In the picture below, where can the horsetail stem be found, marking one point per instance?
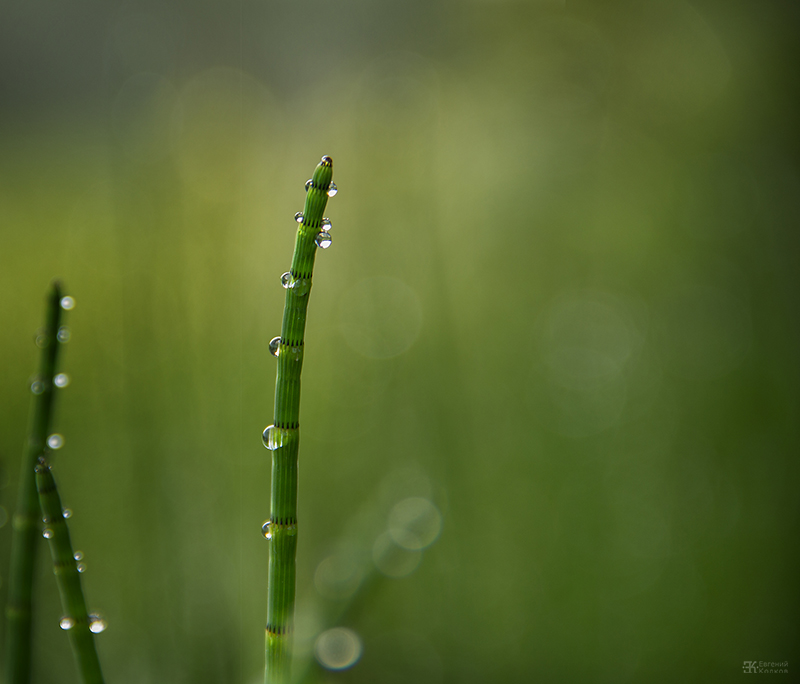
(26, 528)
(79, 624)
(283, 437)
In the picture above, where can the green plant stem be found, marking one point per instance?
(27, 518)
(283, 437)
(67, 576)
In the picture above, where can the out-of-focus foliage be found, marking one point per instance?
(560, 306)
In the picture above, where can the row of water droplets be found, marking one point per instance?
(60, 380)
(96, 623)
(274, 437)
(55, 441)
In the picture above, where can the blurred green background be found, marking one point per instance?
(560, 305)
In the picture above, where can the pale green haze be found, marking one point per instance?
(551, 372)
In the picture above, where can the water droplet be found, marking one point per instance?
(325, 223)
(42, 340)
(66, 622)
(324, 240)
(299, 217)
(96, 623)
(301, 286)
(265, 530)
(275, 346)
(64, 334)
(47, 533)
(81, 567)
(37, 387)
(286, 280)
(275, 437)
(67, 512)
(332, 189)
(67, 303)
(309, 183)
(61, 380)
(78, 555)
(55, 441)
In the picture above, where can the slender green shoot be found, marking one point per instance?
(27, 518)
(77, 622)
(282, 438)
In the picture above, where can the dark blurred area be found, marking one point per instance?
(550, 395)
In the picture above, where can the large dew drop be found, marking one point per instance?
(265, 530)
(47, 533)
(324, 240)
(78, 555)
(55, 441)
(81, 567)
(299, 217)
(67, 303)
(326, 224)
(275, 437)
(96, 623)
(61, 380)
(286, 280)
(67, 512)
(332, 189)
(66, 623)
(275, 346)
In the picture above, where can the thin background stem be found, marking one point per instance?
(27, 519)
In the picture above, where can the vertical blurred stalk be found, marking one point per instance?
(27, 518)
(282, 438)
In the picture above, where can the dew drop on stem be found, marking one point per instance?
(61, 380)
(67, 513)
(299, 217)
(67, 303)
(66, 623)
(265, 529)
(81, 567)
(78, 555)
(324, 240)
(96, 623)
(275, 346)
(37, 387)
(332, 189)
(64, 334)
(47, 533)
(325, 224)
(309, 183)
(55, 441)
(274, 437)
(286, 280)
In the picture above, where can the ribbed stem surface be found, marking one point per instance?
(27, 518)
(283, 517)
